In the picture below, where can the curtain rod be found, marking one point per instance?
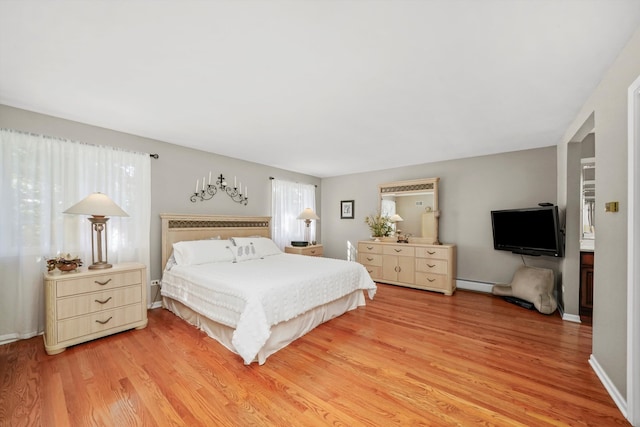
(154, 155)
(272, 178)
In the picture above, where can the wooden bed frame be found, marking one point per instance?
(179, 228)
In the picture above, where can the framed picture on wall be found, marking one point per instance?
(346, 209)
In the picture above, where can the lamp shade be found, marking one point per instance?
(96, 204)
(396, 218)
(308, 214)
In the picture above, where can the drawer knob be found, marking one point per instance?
(397, 269)
(105, 322)
(369, 259)
(431, 265)
(431, 280)
(431, 253)
(397, 250)
(103, 302)
(102, 283)
(369, 247)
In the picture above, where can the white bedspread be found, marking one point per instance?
(254, 295)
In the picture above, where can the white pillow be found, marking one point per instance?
(264, 245)
(244, 252)
(202, 251)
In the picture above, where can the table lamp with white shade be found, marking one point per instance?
(395, 218)
(308, 215)
(99, 206)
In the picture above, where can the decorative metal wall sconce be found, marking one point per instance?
(207, 191)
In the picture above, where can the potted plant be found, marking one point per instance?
(380, 225)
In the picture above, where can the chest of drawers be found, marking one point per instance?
(90, 304)
(429, 267)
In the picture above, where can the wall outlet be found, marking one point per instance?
(155, 283)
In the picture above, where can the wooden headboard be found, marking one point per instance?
(178, 228)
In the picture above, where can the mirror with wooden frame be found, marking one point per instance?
(416, 204)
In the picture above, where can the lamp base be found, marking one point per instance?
(99, 265)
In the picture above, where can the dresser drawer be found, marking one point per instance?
(398, 250)
(374, 271)
(369, 248)
(98, 322)
(432, 252)
(586, 258)
(99, 301)
(370, 259)
(312, 251)
(97, 283)
(436, 266)
(430, 280)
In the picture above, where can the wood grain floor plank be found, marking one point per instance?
(409, 358)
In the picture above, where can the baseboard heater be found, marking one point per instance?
(472, 285)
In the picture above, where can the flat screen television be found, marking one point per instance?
(529, 231)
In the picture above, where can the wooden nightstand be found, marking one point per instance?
(90, 304)
(313, 250)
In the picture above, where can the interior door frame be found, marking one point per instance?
(633, 255)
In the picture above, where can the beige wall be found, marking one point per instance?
(173, 175)
(469, 189)
(606, 108)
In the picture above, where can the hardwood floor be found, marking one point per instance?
(409, 358)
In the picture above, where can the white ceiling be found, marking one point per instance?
(320, 87)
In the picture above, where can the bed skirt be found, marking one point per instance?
(282, 334)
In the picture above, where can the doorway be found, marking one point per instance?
(581, 145)
(587, 225)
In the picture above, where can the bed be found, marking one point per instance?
(224, 275)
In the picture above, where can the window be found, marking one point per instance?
(41, 177)
(288, 200)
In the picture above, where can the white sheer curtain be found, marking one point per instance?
(41, 177)
(288, 200)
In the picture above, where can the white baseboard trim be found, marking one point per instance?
(156, 304)
(620, 401)
(569, 317)
(9, 338)
(471, 285)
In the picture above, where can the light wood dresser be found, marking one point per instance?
(90, 304)
(313, 250)
(421, 266)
